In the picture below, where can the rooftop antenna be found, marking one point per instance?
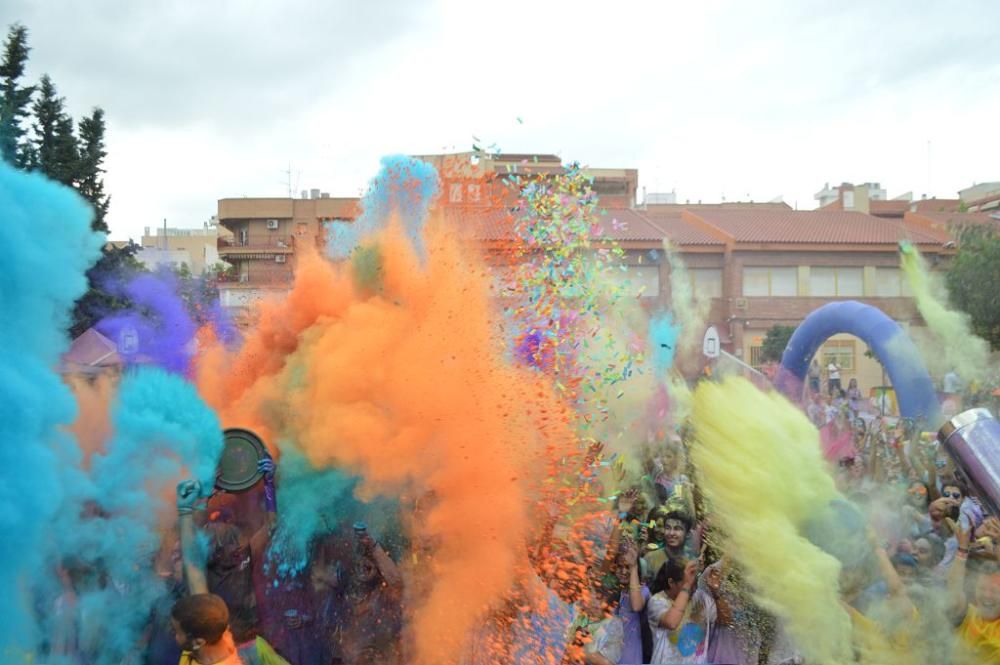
(928, 167)
(288, 180)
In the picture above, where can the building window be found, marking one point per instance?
(706, 282)
(756, 357)
(840, 351)
(890, 283)
(833, 282)
(770, 281)
(637, 280)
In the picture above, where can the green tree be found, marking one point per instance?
(55, 147)
(14, 98)
(973, 280)
(116, 264)
(775, 342)
(90, 168)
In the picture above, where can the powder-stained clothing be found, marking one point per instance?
(187, 658)
(255, 652)
(607, 638)
(979, 639)
(259, 652)
(229, 574)
(689, 642)
(632, 627)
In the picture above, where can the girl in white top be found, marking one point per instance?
(680, 616)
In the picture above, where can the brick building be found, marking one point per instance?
(758, 264)
(268, 235)
(762, 265)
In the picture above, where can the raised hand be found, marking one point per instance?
(267, 467)
(691, 574)
(188, 496)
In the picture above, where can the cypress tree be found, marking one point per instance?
(14, 98)
(90, 172)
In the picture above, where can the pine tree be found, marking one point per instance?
(90, 171)
(14, 98)
(67, 152)
(55, 147)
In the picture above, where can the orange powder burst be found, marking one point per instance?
(92, 427)
(409, 389)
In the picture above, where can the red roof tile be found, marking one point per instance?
(628, 224)
(888, 208)
(941, 225)
(494, 224)
(727, 205)
(879, 208)
(679, 231)
(936, 205)
(811, 226)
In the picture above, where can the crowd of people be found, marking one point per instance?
(658, 586)
(681, 600)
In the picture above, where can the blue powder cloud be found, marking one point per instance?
(311, 503)
(405, 187)
(663, 334)
(48, 244)
(163, 432)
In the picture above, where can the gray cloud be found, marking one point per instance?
(230, 64)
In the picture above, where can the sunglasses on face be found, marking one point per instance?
(951, 495)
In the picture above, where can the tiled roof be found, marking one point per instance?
(495, 224)
(727, 205)
(716, 227)
(889, 208)
(487, 224)
(940, 225)
(628, 224)
(679, 231)
(809, 227)
(936, 205)
(893, 208)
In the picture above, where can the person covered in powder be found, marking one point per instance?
(979, 621)
(739, 626)
(815, 374)
(201, 628)
(372, 621)
(680, 615)
(597, 634)
(855, 400)
(162, 647)
(253, 649)
(670, 532)
(633, 597)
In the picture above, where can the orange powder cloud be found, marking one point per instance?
(92, 427)
(410, 390)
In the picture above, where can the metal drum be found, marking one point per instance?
(238, 468)
(972, 438)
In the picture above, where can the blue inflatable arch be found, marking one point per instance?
(894, 348)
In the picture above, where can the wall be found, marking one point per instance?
(201, 248)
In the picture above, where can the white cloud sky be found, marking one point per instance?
(735, 99)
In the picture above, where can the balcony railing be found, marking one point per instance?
(265, 278)
(256, 242)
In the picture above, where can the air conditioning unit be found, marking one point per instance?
(272, 224)
(740, 303)
(280, 258)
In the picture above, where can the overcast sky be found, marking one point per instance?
(747, 100)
